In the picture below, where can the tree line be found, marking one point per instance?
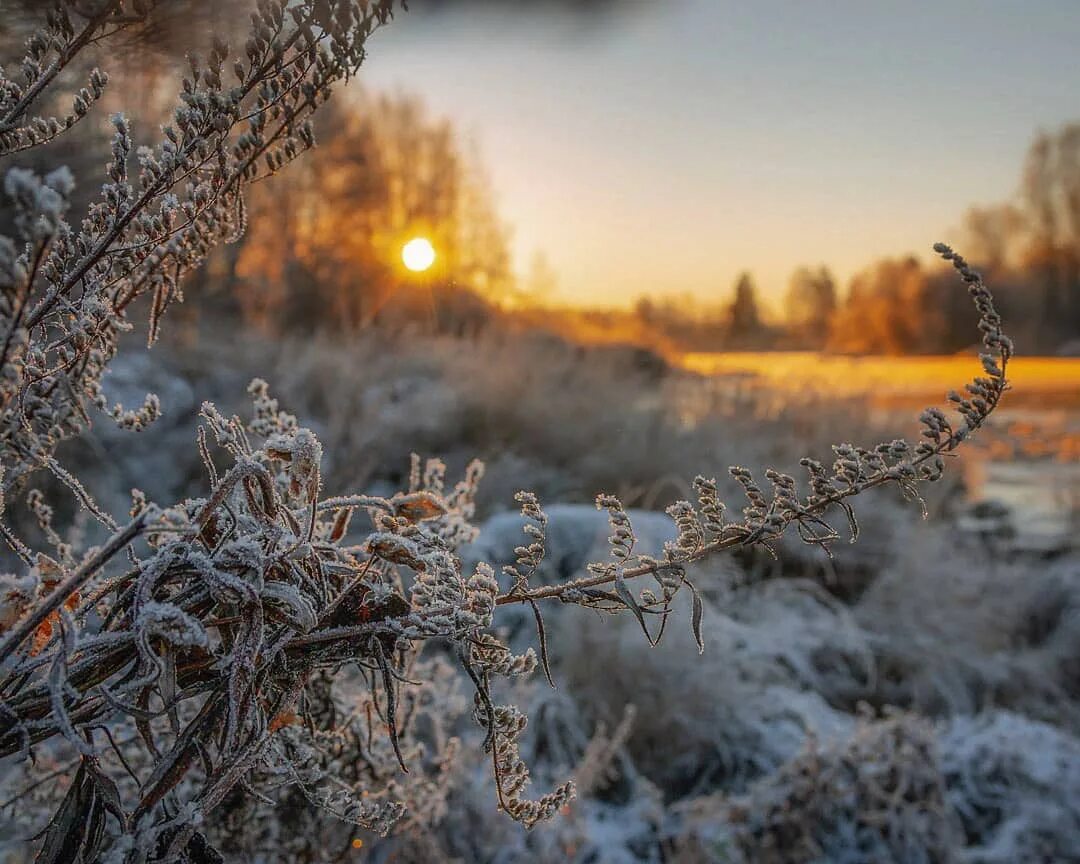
(1030, 246)
(321, 249)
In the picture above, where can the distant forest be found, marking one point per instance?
(1028, 248)
(323, 248)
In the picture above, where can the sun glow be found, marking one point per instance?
(418, 254)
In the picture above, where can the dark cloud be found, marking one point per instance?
(177, 26)
(580, 7)
(173, 27)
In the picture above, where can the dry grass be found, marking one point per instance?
(890, 380)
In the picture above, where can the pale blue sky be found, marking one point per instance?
(668, 148)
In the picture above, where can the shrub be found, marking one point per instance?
(192, 661)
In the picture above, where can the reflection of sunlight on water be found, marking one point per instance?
(1029, 460)
(1043, 497)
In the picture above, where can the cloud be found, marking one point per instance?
(581, 7)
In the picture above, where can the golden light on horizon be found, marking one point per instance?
(418, 254)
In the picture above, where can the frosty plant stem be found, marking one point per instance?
(73, 583)
(855, 471)
(220, 647)
(381, 599)
(64, 293)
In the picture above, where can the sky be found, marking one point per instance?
(664, 147)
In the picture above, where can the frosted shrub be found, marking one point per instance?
(1014, 784)
(880, 796)
(235, 123)
(264, 644)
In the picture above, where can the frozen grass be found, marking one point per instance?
(253, 669)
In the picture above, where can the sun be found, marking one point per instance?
(418, 254)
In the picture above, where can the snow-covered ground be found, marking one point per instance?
(918, 693)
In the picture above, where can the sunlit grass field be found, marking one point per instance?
(1044, 382)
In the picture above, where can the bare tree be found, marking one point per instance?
(810, 304)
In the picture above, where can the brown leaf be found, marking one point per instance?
(418, 506)
(44, 631)
(281, 719)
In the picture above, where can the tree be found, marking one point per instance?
(484, 262)
(1051, 201)
(744, 316)
(1031, 245)
(994, 233)
(888, 310)
(384, 172)
(810, 304)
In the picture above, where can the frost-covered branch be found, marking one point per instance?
(703, 530)
(65, 293)
(222, 639)
(49, 51)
